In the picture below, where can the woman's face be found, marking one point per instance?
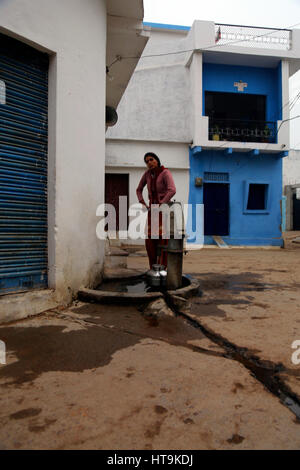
(151, 162)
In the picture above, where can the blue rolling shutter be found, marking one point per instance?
(23, 167)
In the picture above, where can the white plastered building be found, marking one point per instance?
(50, 249)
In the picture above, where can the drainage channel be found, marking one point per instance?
(264, 372)
(266, 375)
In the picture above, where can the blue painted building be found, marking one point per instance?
(240, 136)
(241, 194)
(241, 191)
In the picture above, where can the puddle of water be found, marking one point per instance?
(244, 282)
(133, 286)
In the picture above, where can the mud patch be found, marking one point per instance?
(236, 439)
(27, 413)
(154, 430)
(188, 421)
(37, 429)
(237, 386)
(260, 318)
(160, 410)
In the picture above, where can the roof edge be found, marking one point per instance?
(170, 27)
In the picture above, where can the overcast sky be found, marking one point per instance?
(271, 13)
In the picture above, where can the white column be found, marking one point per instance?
(200, 123)
(284, 127)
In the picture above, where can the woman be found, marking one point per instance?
(161, 189)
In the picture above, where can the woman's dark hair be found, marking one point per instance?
(153, 155)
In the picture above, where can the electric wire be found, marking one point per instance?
(118, 58)
(290, 103)
(295, 101)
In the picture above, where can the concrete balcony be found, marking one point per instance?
(236, 139)
(235, 130)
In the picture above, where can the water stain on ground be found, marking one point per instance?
(50, 349)
(173, 330)
(206, 310)
(236, 283)
(220, 289)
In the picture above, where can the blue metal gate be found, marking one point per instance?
(23, 166)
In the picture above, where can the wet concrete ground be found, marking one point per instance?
(109, 377)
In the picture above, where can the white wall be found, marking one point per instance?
(295, 111)
(130, 153)
(74, 32)
(291, 168)
(157, 102)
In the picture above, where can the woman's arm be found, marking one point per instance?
(139, 191)
(171, 188)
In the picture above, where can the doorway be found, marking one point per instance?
(216, 209)
(117, 185)
(296, 212)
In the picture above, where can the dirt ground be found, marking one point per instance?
(108, 377)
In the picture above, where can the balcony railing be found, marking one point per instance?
(235, 130)
(251, 36)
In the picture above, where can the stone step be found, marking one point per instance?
(115, 261)
(116, 251)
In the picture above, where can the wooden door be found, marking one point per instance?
(117, 185)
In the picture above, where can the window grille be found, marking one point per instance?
(219, 177)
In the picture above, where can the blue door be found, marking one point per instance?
(216, 209)
(23, 166)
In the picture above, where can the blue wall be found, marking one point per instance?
(261, 81)
(245, 228)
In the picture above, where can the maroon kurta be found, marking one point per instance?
(165, 187)
(161, 189)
